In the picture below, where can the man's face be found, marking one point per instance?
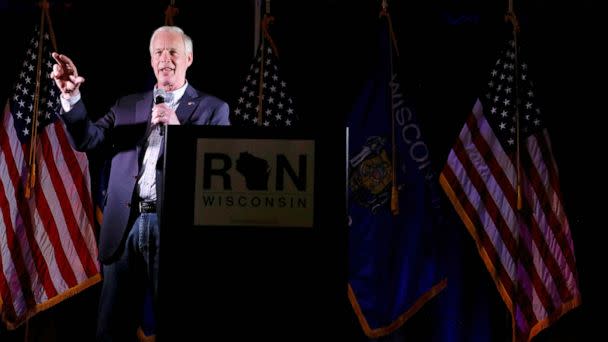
(170, 60)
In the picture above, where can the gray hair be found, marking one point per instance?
(186, 38)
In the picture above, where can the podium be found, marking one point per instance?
(253, 235)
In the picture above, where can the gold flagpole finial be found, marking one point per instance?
(170, 12)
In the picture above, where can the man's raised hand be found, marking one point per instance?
(66, 76)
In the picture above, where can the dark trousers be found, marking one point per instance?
(127, 280)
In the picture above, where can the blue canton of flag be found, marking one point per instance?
(393, 264)
(277, 105)
(22, 101)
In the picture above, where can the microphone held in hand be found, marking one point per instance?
(159, 97)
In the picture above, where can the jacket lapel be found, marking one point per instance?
(143, 108)
(186, 105)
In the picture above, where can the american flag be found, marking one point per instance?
(277, 105)
(48, 249)
(528, 251)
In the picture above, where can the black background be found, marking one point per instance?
(447, 47)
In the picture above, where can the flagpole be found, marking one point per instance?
(47, 14)
(171, 12)
(265, 22)
(512, 18)
(257, 14)
(31, 177)
(261, 80)
(392, 45)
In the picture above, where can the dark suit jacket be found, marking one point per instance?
(123, 129)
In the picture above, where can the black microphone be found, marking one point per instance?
(159, 97)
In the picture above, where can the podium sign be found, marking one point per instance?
(254, 182)
(253, 235)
